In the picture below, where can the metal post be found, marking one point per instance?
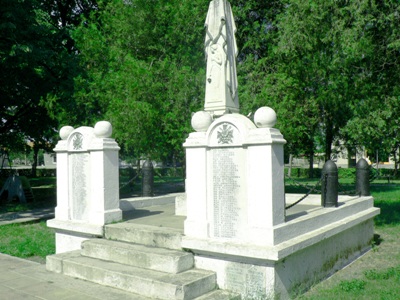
(147, 179)
(362, 178)
(330, 183)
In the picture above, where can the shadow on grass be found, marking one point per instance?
(387, 198)
(44, 197)
(390, 213)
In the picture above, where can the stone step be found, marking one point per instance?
(158, 259)
(220, 295)
(153, 284)
(54, 263)
(147, 235)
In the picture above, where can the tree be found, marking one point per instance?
(319, 64)
(62, 17)
(144, 64)
(377, 114)
(321, 49)
(37, 69)
(257, 30)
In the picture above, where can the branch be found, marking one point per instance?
(10, 123)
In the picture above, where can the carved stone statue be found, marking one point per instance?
(221, 52)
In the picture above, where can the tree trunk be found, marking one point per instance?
(138, 166)
(328, 140)
(396, 163)
(311, 169)
(174, 165)
(290, 165)
(35, 160)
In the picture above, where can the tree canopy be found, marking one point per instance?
(329, 68)
(38, 66)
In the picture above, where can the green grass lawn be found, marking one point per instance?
(28, 240)
(376, 275)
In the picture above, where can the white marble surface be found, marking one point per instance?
(87, 184)
(221, 51)
(234, 182)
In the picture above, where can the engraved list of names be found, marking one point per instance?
(79, 184)
(226, 178)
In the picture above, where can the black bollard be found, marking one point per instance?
(362, 178)
(330, 183)
(147, 179)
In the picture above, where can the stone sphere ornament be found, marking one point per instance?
(103, 129)
(65, 132)
(201, 120)
(265, 117)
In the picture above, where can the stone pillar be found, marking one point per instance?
(362, 178)
(62, 209)
(221, 95)
(235, 181)
(330, 185)
(196, 223)
(147, 179)
(87, 185)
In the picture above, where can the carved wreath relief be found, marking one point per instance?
(225, 134)
(77, 141)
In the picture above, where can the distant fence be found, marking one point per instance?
(4, 173)
(342, 172)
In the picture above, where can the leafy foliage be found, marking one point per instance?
(144, 69)
(329, 69)
(37, 69)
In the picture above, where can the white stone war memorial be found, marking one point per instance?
(236, 240)
(236, 223)
(87, 185)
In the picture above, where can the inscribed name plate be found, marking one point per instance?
(79, 185)
(226, 174)
(251, 279)
(79, 177)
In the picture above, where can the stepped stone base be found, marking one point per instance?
(169, 238)
(149, 283)
(140, 259)
(158, 259)
(220, 295)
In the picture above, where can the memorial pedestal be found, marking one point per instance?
(234, 182)
(87, 185)
(236, 224)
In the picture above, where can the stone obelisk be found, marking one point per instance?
(221, 51)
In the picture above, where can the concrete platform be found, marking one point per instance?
(159, 215)
(164, 215)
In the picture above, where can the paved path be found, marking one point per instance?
(26, 216)
(23, 279)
